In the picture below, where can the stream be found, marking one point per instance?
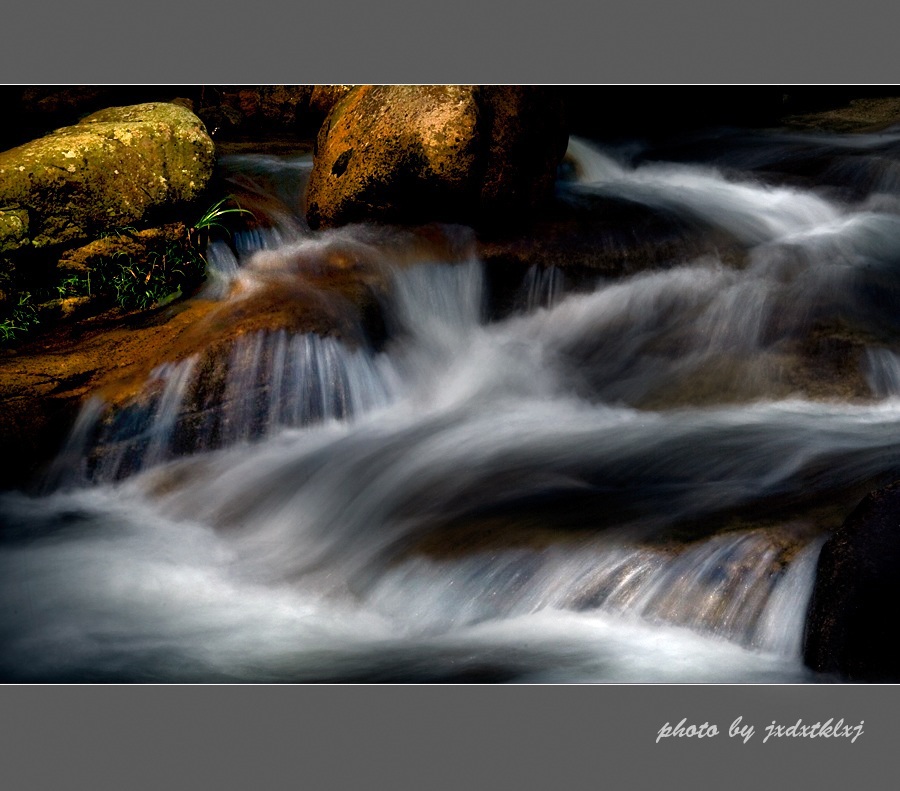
(609, 480)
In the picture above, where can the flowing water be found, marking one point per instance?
(627, 481)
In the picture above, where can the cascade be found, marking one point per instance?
(630, 482)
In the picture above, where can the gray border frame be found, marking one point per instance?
(571, 737)
(439, 737)
(626, 41)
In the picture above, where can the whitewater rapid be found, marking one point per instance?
(549, 496)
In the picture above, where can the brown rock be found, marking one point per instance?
(138, 246)
(412, 154)
(44, 381)
(396, 153)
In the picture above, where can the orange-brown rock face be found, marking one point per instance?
(414, 154)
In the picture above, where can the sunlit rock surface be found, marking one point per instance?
(451, 153)
(112, 169)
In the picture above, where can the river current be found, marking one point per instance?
(610, 480)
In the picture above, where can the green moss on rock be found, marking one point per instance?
(13, 229)
(110, 170)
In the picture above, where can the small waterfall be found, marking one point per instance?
(438, 301)
(177, 377)
(542, 287)
(721, 587)
(883, 372)
(270, 381)
(145, 435)
(270, 187)
(240, 416)
(70, 467)
(222, 269)
(733, 587)
(780, 629)
(630, 484)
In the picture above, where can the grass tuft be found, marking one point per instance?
(22, 319)
(165, 274)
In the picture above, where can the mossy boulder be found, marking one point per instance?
(13, 236)
(116, 168)
(451, 153)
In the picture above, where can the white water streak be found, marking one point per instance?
(753, 212)
(294, 557)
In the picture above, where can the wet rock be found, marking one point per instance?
(413, 154)
(44, 381)
(851, 621)
(115, 168)
(138, 245)
(866, 114)
(391, 153)
(608, 237)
